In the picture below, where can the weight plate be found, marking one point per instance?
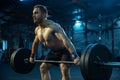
(82, 60)
(97, 52)
(18, 62)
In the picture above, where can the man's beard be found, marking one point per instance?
(38, 21)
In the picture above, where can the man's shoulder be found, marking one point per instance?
(36, 29)
(50, 22)
(53, 24)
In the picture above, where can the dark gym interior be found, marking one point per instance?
(84, 21)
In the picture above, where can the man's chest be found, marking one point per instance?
(45, 34)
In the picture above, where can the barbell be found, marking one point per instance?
(96, 62)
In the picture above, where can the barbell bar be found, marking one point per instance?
(49, 61)
(110, 64)
(46, 61)
(96, 62)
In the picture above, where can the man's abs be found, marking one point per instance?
(54, 45)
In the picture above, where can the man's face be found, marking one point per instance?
(37, 15)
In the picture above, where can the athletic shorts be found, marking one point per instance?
(59, 55)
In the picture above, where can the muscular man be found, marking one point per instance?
(52, 35)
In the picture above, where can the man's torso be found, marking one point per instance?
(47, 37)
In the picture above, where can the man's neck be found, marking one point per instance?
(43, 23)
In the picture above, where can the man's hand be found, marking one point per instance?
(77, 61)
(31, 59)
(76, 58)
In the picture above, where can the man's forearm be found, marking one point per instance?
(34, 49)
(70, 47)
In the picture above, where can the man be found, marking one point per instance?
(52, 35)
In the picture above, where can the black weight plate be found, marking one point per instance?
(18, 62)
(82, 60)
(97, 52)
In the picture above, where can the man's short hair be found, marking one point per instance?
(42, 8)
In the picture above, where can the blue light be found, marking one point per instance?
(78, 26)
(21, 0)
(76, 11)
(118, 23)
(4, 44)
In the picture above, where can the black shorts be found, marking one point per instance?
(59, 55)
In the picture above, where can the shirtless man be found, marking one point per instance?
(52, 35)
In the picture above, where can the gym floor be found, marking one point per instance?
(6, 73)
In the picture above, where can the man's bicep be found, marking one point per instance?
(36, 40)
(61, 34)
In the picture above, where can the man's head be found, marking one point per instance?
(39, 13)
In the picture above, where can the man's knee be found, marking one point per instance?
(65, 69)
(43, 68)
